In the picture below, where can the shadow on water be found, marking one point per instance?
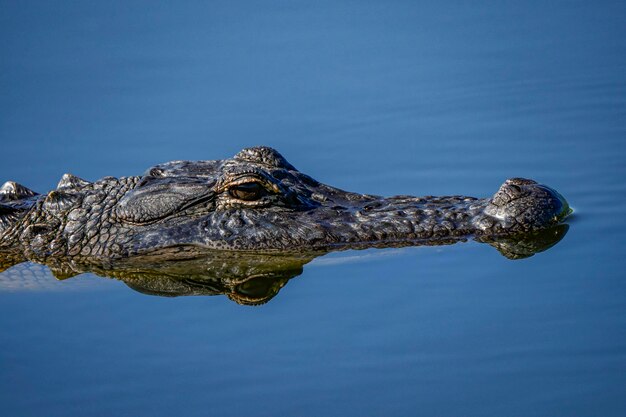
(244, 277)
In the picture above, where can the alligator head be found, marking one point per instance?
(256, 201)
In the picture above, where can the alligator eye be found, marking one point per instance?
(248, 191)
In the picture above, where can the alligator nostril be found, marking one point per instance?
(515, 188)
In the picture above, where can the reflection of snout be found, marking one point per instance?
(527, 205)
(525, 245)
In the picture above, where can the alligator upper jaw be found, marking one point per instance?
(352, 221)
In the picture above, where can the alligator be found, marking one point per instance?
(254, 202)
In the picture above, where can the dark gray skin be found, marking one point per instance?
(255, 201)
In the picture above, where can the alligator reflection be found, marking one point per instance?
(248, 279)
(251, 278)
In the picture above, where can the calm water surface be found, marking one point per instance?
(377, 97)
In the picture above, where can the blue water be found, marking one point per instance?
(385, 98)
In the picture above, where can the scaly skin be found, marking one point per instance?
(255, 201)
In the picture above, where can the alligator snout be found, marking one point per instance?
(524, 205)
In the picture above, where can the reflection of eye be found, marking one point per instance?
(248, 191)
